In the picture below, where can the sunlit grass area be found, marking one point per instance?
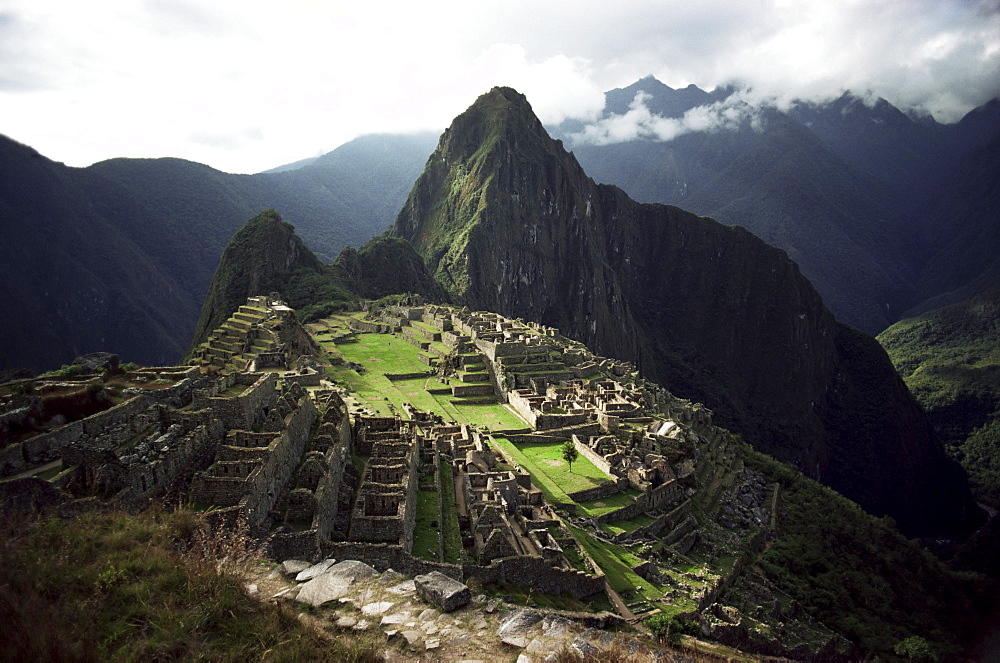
(382, 354)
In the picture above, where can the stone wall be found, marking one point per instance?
(245, 410)
(599, 461)
(599, 492)
(384, 556)
(303, 545)
(309, 377)
(651, 500)
(148, 480)
(47, 447)
(285, 453)
(536, 573)
(666, 521)
(367, 327)
(257, 490)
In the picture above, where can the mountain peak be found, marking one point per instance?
(661, 98)
(507, 221)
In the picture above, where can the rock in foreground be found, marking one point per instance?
(441, 591)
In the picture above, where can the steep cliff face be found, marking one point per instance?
(508, 221)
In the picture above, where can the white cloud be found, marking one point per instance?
(82, 82)
(639, 123)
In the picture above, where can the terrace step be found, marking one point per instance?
(475, 400)
(467, 390)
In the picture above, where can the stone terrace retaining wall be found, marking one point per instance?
(599, 492)
(47, 447)
(535, 572)
(383, 556)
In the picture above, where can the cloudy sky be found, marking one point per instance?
(245, 85)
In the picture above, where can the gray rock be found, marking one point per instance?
(390, 577)
(413, 638)
(311, 572)
(556, 627)
(377, 608)
(293, 567)
(584, 648)
(395, 619)
(405, 587)
(323, 589)
(351, 570)
(439, 590)
(518, 623)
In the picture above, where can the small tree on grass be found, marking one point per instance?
(915, 648)
(569, 453)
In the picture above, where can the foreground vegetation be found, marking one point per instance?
(859, 576)
(146, 587)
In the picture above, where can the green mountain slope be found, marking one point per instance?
(950, 359)
(508, 221)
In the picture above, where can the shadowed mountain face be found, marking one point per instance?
(874, 205)
(508, 221)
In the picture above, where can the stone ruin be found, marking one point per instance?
(283, 451)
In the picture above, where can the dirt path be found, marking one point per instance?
(619, 604)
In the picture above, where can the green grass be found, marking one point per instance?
(554, 494)
(547, 458)
(611, 503)
(122, 587)
(617, 563)
(384, 353)
(453, 550)
(425, 533)
(628, 525)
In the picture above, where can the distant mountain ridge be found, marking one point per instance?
(508, 221)
(888, 215)
(118, 256)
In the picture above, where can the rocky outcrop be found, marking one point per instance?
(508, 221)
(263, 251)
